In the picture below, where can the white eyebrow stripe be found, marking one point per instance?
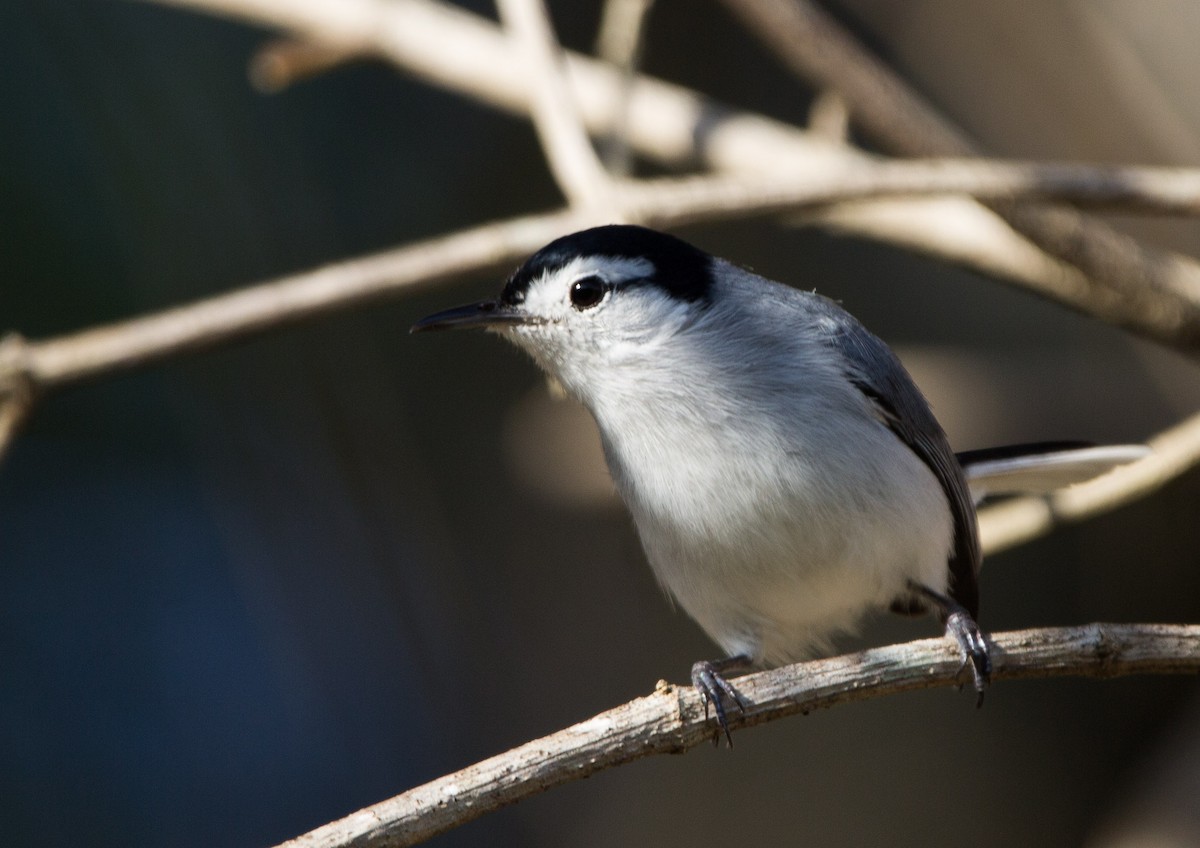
(611, 268)
(548, 292)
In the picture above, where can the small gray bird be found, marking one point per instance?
(785, 474)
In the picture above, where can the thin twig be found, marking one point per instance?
(672, 719)
(283, 62)
(1132, 190)
(622, 27)
(13, 412)
(114, 347)
(829, 117)
(16, 390)
(1014, 522)
(1132, 285)
(817, 48)
(564, 138)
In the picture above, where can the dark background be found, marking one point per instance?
(251, 590)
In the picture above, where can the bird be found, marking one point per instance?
(784, 473)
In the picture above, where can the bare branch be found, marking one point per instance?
(620, 44)
(54, 362)
(573, 160)
(829, 117)
(665, 203)
(1149, 293)
(968, 235)
(283, 62)
(1130, 285)
(818, 49)
(672, 719)
(1167, 191)
(1017, 521)
(16, 390)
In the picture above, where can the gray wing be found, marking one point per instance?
(878, 374)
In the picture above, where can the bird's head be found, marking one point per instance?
(591, 302)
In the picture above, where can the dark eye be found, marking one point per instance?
(586, 292)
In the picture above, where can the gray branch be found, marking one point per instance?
(671, 720)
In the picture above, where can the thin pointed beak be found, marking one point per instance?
(475, 316)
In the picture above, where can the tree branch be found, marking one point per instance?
(114, 347)
(16, 390)
(282, 62)
(1132, 190)
(573, 161)
(1148, 292)
(619, 43)
(818, 49)
(672, 720)
(42, 365)
(1131, 285)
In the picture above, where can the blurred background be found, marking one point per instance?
(254, 589)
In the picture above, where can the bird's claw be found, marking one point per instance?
(973, 647)
(713, 689)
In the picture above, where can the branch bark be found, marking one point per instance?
(576, 167)
(672, 720)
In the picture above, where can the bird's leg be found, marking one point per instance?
(961, 627)
(713, 688)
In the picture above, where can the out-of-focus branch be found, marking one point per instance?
(672, 719)
(817, 48)
(1149, 293)
(829, 117)
(42, 365)
(1164, 191)
(16, 393)
(1014, 522)
(622, 26)
(1138, 287)
(49, 364)
(282, 62)
(573, 161)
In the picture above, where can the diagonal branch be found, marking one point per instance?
(126, 344)
(619, 43)
(564, 138)
(818, 49)
(283, 62)
(1138, 287)
(16, 390)
(671, 720)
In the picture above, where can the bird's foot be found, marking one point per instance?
(714, 689)
(965, 632)
(961, 627)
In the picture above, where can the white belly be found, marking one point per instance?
(788, 560)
